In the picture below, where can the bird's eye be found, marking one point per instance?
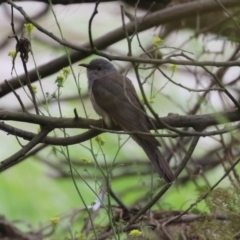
(99, 68)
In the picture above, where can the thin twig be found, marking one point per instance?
(190, 89)
(206, 194)
(181, 133)
(218, 82)
(17, 96)
(95, 12)
(23, 58)
(227, 12)
(18, 156)
(120, 203)
(129, 41)
(167, 186)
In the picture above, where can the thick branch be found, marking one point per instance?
(157, 18)
(177, 121)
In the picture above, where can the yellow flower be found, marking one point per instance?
(66, 71)
(62, 76)
(34, 88)
(28, 27)
(99, 140)
(157, 41)
(150, 100)
(60, 79)
(80, 236)
(38, 129)
(173, 67)
(135, 233)
(54, 220)
(12, 54)
(85, 160)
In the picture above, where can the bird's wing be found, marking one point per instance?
(116, 95)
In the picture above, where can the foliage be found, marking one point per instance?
(76, 183)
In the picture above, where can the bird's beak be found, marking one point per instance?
(84, 65)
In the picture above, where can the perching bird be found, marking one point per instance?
(113, 97)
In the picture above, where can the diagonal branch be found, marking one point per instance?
(167, 186)
(18, 156)
(157, 18)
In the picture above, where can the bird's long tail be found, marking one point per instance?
(157, 159)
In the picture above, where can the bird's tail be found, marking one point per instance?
(157, 159)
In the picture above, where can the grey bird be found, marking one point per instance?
(114, 98)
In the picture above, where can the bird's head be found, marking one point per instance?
(98, 68)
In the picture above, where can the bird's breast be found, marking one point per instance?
(107, 119)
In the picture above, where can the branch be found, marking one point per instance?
(61, 141)
(18, 156)
(157, 18)
(177, 121)
(167, 186)
(95, 12)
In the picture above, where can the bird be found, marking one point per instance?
(115, 99)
